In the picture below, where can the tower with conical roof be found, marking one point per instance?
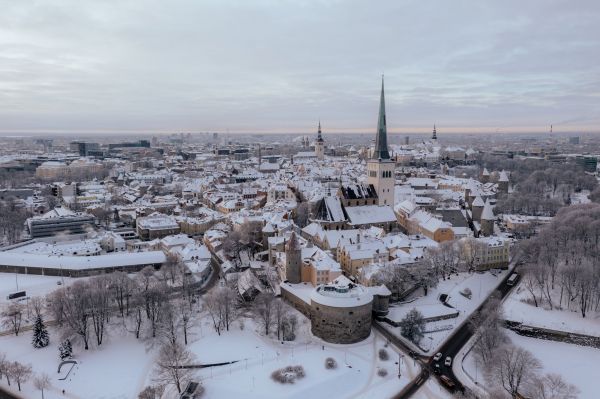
(487, 219)
(320, 145)
(380, 167)
(293, 260)
(503, 182)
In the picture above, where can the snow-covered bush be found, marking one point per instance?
(288, 375)
(382, 372)
(65, 350)
(467, 293)
(330, 363)
(383, 355)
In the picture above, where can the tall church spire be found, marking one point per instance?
(434, 136)
(319, 136)
(381, 147)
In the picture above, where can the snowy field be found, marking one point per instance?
(562, 320)
(123, 366)
(34, 285)
(578, 365)
(355, 377)
(480, 284)
(116, 370)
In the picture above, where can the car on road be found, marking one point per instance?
(448, 382)
(512, 279)
(437, 357)
(448, 361)
(436, 368)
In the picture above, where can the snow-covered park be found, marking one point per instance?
(123, 365)
(578, 365)
(517, 308)
(480, 286)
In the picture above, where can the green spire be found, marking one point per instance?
(381, 148)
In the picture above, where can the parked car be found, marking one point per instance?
(437, 357)
(448, 382)
(436, 368)
(448, 361)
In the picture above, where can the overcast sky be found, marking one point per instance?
(260, 66)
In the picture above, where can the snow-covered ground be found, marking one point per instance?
(562, 320)
(480, 284)
(123, 366)
(432, 390)
(578, 365)
(582, 197)
(116, 370)
(34, 285)
(355, 377)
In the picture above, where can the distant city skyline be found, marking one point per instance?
(280, 66)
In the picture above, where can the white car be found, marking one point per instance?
(448, 361)
(437, 357)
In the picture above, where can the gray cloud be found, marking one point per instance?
(279, 65)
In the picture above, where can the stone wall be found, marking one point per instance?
(339, 325)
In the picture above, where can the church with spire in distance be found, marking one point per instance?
(380, 166)
(369, 204)
(320, 145)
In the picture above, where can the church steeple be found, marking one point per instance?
(434, 135)
(320, 145)
(319, 136)
(381, 168)
(381, 147)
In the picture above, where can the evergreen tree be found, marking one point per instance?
(40, 334)
(65, 349)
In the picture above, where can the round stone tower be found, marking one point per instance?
(341, 311)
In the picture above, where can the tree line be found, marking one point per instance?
(562, 262)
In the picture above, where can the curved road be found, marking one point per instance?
(450, 348)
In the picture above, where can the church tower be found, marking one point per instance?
(434, 135)
(320, 145)
(380, 167)
(293, 260)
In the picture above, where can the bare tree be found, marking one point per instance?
(513, 368)
(20, 373)
(75, 303)
(281, 311)
(137, 306)
(168, 328)
(470, 253)
(4, 368)
(37, 305)
(41, 382)
(152, 392)
(99, 305)
(487, 323)
(551, 386)
(185, 318)
(212, 305)
(12, 317)
(445, 259)
(122, 288)
(155, 303)
(172, 267)
(170, 368)
(263, 309)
